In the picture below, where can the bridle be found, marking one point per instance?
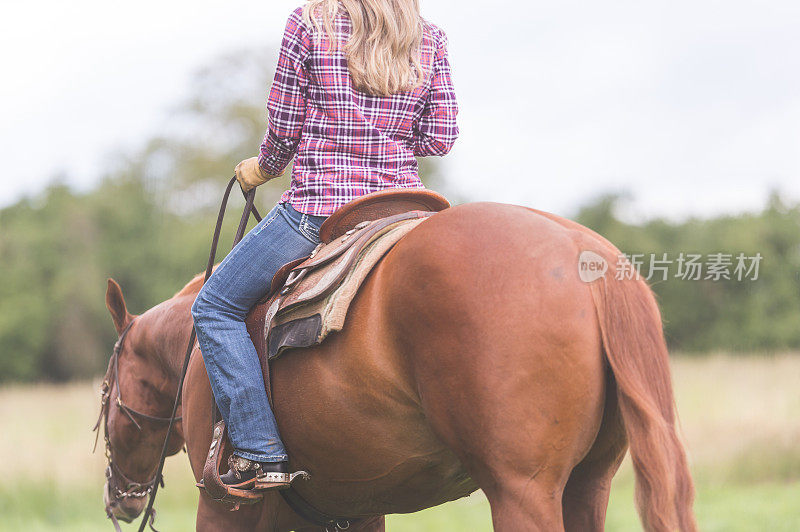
(120, 486)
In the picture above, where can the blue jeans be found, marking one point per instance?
(219, 313)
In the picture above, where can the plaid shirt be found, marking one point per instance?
(349, 143)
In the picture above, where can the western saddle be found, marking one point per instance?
(310, 297)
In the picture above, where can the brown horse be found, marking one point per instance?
(473, 357)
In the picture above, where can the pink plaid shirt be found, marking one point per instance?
(349, 143)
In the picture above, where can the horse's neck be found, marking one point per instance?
(169, 326)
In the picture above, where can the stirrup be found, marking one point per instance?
(268, 480)
(263, 479)
(214, 487)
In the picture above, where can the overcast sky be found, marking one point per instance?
(692, 106)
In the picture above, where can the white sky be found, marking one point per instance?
(693, 106)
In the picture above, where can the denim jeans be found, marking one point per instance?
(219, 313)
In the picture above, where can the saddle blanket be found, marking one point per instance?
(314, 299)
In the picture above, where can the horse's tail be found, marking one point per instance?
(634, 344)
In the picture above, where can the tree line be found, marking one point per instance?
(148, 224)
(741, 294)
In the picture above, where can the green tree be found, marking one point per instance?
(707, 315)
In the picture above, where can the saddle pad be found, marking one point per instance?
(302, 318)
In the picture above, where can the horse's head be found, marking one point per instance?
(138, 393)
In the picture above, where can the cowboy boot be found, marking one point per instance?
(247, 474)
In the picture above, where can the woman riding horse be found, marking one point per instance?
(473, 356)
(362, 87)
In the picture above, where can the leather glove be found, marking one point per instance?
(249, 174)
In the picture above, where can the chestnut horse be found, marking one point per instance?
(473, 357)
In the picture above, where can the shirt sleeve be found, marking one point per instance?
(286, 107)
(437, 130)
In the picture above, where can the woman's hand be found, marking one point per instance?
(249, 174)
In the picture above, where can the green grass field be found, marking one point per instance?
(739, 417)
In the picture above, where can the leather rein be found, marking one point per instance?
(140, 490)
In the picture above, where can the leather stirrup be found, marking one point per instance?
(219, 491)
(212, 483)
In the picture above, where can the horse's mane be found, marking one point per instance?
(193, 286)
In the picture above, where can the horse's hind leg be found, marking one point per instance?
(519, 418)
(525, 479)
(585, 498)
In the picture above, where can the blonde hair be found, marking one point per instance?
(383, 51)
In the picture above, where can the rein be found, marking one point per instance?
(139, 490)
(249, 208)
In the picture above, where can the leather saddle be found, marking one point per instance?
(309, 297)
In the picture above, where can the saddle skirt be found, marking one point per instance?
(310, 297)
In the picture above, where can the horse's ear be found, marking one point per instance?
(116, 306)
